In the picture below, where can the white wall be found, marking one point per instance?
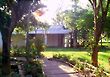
(0, 41)
(18, 40)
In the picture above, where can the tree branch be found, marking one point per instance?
(91, 3)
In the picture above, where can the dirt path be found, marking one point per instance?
(53, 68)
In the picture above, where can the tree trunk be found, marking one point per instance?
(75, 38)
(27, 47)
(6, 38)
(99, 7)
(95, 56)
(71, 40)
(97, 34)
(101, 42)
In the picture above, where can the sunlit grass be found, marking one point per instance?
(104, 60)
(105, 44)
(103, 57)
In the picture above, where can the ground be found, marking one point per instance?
(54, 68)
(104, 55)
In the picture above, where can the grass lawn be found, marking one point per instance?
(105, 44)
(78, 53)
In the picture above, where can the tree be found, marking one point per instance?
(85, 28)
(107, 27)
(100, 10)
(5, 22)
(69, 19)
(11, 14)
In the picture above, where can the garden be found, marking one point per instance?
(24, 64)
(81, 60)
(80, 37)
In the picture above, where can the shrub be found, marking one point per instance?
(82, 65)
(34, 68)
(18, 51)
(21, 51)
(14, 74)
(0, 72)
(39, 44)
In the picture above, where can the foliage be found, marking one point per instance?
(70, 58)
(68, 16)
(15, 9)
(19, 30)
(36, 46)
(100, 12)
(15, 51)
(80, 20)
(107, 27)
(21, 51)
(14, 74)
(85, 27)
(39, 44)
(34, 68)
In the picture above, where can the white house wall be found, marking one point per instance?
(0, 41)
(18, 40)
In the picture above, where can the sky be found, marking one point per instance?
(57, 5)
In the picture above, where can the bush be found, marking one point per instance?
(0, 72)
(14, 74)
(33, 68)
(21, 51)
(82, 65)
(39, 44)
(18, 51)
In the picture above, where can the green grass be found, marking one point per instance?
(51, 51)
(82, 54)
(106, 44)
(104, 60)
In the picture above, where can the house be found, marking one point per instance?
(53, 37)
(0, 41)
(17, 40)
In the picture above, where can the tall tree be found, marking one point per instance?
(85, 27)
(69, 18)
(100, 10)
(11, 13)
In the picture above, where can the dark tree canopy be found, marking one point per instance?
(11, 13)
